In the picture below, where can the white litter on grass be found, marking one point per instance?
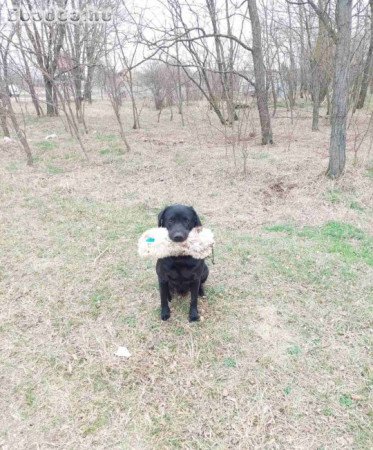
(123, 351)
(7, 140)
(50, 136)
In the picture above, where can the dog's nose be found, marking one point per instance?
(178, 237)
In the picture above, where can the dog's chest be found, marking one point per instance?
(177, 272)
(181, 274)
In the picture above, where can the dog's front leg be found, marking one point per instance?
(193, 311)
(165, 295)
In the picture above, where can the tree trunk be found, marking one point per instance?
(30, 84)
(259, 73)
(274, 95)
(328, 104)
(316, 97)
(135, 113)
(28, 76)
(50, 97)
(4, 125)
(368, 64)
(88, 84)
(318, 65)
(304, 85)
(220, 61)
(292, 74)
(337, 149)
(7, 105)
(179, 88)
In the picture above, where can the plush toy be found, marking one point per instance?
(155, 243)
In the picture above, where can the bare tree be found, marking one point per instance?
(6, 110)
(3, 118)
(321, 57)
(260, 74)
(368, 65)
(27, 73)
(337, 148)
(46, 40)
(114, 89)
(342, 39)
(341, 36)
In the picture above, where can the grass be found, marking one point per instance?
(107, 137)
(356, 206)
(54, 170)
(281, 359)
(230, 362)
(260, 155)
(334, 196)
(46, 145)
(112, 150)
(13, 167)
(369, 172)
(351, 243)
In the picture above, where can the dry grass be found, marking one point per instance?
(281, 359)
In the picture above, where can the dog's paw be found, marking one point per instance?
(193, 315)
(165, 313)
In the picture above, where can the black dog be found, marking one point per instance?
(180, 274)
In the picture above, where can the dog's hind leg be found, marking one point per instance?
(193, 311)
(205, 274)
(165, 295)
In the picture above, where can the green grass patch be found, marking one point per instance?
(230, 362)
(333, 196)
(180, 158)
(114, 150)
(106, 137)
(287, 390)
(294, 350)
(100, 422)
(13, 167)
(356, 206)
(343, 239)
(281, 228)
(260, 155)
(345, 400)
(98, 298)
(370, 172)
(46, 145)
(30, 396)
(328, 412)
(54, 170)
(130, 321)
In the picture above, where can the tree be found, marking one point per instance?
(260, 74)
(46, 40)
(321, 55)
(6, 110)
(341, 36)
(337, 149)
(368, 65)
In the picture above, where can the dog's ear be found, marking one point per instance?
(197, 220)
(161, 217)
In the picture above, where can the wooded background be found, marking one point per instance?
(224, 52)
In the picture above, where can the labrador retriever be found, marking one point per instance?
(180, 274)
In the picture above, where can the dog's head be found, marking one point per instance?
(179, 220)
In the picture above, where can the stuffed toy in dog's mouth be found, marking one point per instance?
(155, 243)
